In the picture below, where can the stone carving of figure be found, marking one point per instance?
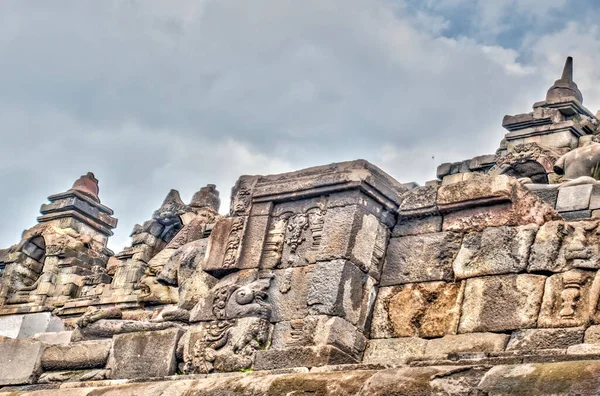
(583, 161)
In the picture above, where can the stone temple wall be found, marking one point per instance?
(335, 280)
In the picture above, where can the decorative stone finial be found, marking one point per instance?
(171, 206)
(565, 89)
(206, 197)
(88, 185)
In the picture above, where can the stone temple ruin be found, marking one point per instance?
(334, 280)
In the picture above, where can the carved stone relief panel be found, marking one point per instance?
(294, 234)
(570, 299)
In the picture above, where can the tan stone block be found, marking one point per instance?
(535, 339)
(494, 251)
(592, 335)
(566, 378)
(393, 351)
(500, 303)
(76, 355)
(476, 342)
(570, 299)
(420, 258)
(430, 309)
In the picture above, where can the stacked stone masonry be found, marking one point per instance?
(336, 279)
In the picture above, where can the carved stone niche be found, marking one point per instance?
(527, 160)
(570, 299)
(295, 233)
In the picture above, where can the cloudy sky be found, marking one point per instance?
(154, 95)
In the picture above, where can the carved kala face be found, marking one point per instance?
(249, 300)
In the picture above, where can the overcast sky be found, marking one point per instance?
(154, 95)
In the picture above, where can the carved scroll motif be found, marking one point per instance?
(233, 243)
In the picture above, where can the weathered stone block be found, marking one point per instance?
(548, 195)
(253, 241)
(496, 250)
(144, 354)
(574, 198)
(564, 378)
(289, 292)
(592, 335)
(420, 258)
(223, 251)
(534, 339)
(490, 202)
(430, 309)
(393, 350)
(576, 215)
(570, 299)
(56, 338)
(301, 357)
(352, 233)
(478, 342)
(27, 325)
(417, 225)
(339, 288)
(500, 303)
(317, 331)
(76, 355)
(20, 363)
(546, 247)
(418, 201)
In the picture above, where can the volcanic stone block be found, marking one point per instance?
(20, 363)
(418, 201)
(430, 309)
(574, 198)
(223, 251)
(317, 331)
(570, 299)
(27, 325)
(288, 293)
(253, 242)
(496, 250)
(311, 356)
(548, 195)
(534, 339)
(144, 354)
(472, 205)
(351, 232)
(478, 342)
(420, 258)
(546, 247)
(417, 225)
(56, 338)
(576, 215)
(503, 302)
(565, 378)
(339, 288)
(76, 355)
(393, 350)
(592, 335)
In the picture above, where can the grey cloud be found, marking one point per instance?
(154, 95)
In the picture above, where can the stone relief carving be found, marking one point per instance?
(233, 243)
(288, 232)
(527, 160)
(242, 327)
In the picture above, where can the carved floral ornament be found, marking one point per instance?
(290, 229)
(525, 152)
